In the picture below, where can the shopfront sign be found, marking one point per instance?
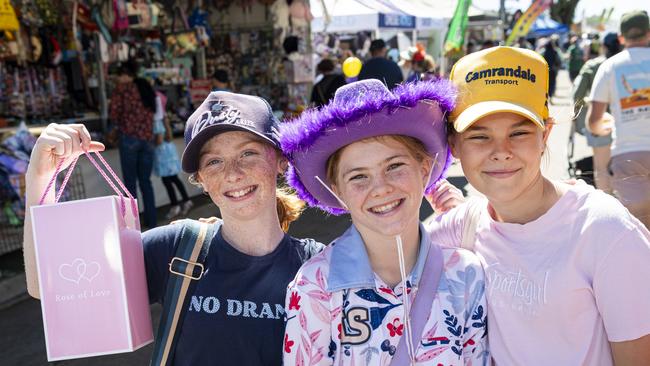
(396, 21)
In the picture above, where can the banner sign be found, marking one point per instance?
(457, 26)
(527, 19)
(396, 21)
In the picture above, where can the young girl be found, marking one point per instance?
(568, 280)
(166, 163)
(372, 153)
(231, 151)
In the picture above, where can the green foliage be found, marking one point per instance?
(563, 11)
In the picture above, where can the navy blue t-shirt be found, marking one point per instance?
(383, 69)
(236, 314)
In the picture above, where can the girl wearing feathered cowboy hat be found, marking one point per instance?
(382, 293)
(567, 266)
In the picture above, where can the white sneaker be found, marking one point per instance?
(187, 206)
(173, 212)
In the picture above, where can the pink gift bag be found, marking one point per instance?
(91, 273)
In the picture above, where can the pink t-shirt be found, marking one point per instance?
(560, 288)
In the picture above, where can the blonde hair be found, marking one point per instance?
(414, 146)
(289, 207)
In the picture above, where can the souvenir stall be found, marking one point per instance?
(58, 60)
(264, 46)
(46, 75)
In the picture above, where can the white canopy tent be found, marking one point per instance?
(358, 15)
(355, 15)
(388, 18)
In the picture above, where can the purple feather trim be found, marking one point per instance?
(294, 181)
(301, 133)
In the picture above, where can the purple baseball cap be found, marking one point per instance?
(221, 112)
(360, 110)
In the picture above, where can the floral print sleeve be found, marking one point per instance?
(307, 336)
(475, 344)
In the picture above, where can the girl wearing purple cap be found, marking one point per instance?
(567, 266)
(235, 315)
(382, 293)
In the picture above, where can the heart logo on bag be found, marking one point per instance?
(78, 270)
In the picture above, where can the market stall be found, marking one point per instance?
(58, 60)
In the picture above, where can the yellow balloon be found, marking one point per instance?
(351, 67)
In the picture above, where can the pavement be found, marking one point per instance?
(22, 338)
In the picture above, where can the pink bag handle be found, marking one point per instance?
(134, 208)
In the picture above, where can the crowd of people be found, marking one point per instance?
(389, 66)
(559, 270)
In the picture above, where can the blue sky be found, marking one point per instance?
(590, 7)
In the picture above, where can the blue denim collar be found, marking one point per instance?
(350, 267)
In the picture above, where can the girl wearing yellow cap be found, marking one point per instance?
(567, 266)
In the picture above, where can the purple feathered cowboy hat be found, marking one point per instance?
(360, 110)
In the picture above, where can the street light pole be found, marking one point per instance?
(502, 17)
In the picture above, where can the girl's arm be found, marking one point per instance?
(622, 292)
(55, 143)
(630, 353)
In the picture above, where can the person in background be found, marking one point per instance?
(429, 68)
(576, 58)
(393, 55)
(414, 59)
(330, 80)
(132, 106)
(522, 42)
(554, 61)
(622, 82)
(406, 62)
(581, 89)
(167, 164)
(221, 80)
(590, 46)
(487, 44)
(380, 67)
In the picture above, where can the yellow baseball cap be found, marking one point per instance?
(500, 79)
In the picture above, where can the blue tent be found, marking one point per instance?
(545, 26)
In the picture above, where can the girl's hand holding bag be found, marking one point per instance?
(91, 274)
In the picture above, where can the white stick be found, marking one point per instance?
(407, 304)
(332, 192)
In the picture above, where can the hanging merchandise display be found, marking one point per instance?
(182, 42)
(48, 12)
(139, 14)
(198, 20)
(8, 45)
(59, 62)
(8, 19)
(120, 15)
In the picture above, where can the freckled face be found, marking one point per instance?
(382, 185)
(239, 173)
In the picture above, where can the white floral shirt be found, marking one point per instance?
(339, 312)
